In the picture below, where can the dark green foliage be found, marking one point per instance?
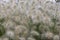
(40, 28)
(37, 29)
(30, 25)
(2, 20)
(54, 20)
(37, 37)
(10, 38)
(2, 29)
(53, 29)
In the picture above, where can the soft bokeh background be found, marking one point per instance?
(29, 20)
